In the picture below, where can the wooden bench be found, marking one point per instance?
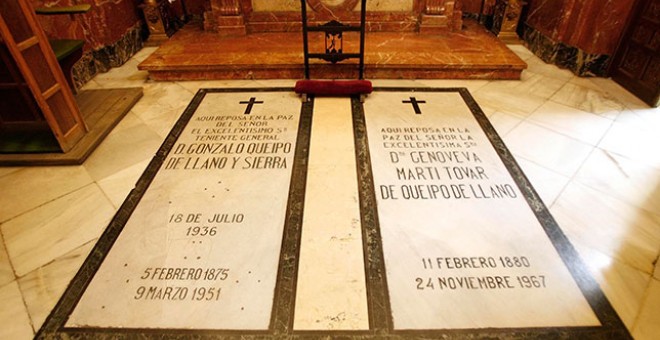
(67, 51)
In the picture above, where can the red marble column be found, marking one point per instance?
(505, 20)
(226, 18)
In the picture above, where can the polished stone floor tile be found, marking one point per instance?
(14, 320)
(4, 170)
(530, 84)
(507, 101)
(547, 183)
(503, 123)
(638, 145)
(123, 148)
(538, 66)
(31, 187)
(622, 231)
(194, 85)
(644, 119)
(628, 180)
(521, 51)
(589, 100)
(162, 106)
(43, 287)
(118, 185)
(552, 150)
(647, 326)
(45, 233)
(126, 76)
(471, 85)
(623, 285)
(583, 126)
(612, 90)
(6, 270)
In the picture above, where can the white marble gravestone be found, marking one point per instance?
(202, 248)
(462, 248)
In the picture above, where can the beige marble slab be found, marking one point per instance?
(589, 100)
(162, 105)
(648, 325)
(456, 230)
(613, 227)
(547, 148)
(42, 288)
(29, 188)
(631, 181)
(130, 143)
(14, 320)
(54, 229)
(584, 126)
(547, 183)
(623, 285)
(202, 249)
(119, 185)
(6, 270)
(632, 143)
(331, 289)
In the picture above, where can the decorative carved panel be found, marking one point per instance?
(238, 17)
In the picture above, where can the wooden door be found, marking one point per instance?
(29, 47)
(636, 65)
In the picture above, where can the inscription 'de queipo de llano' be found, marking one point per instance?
(462, 247)
(201, 250)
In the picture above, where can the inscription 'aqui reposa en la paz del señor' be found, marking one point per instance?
(456, 229)
(201, 250)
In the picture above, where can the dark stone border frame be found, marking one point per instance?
(282, 312)
(611, 325)
(380, 318)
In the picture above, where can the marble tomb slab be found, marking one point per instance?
(223, 235)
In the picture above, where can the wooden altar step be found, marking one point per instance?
(472, 53)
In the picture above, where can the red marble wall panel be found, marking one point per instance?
(546, 16)
(599, 25)
(473, 6)
(594, 26)
(103, 25)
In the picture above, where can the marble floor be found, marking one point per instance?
(587, 146)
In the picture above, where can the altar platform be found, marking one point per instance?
(472, 53)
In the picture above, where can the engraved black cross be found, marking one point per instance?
(250, 103)
(415, 103)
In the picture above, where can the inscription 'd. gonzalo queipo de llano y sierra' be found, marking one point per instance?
(202, 248)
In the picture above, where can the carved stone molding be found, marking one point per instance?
(435, 7)
(321, 6)
(227, 18)
(441, 15)
(505, 19)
